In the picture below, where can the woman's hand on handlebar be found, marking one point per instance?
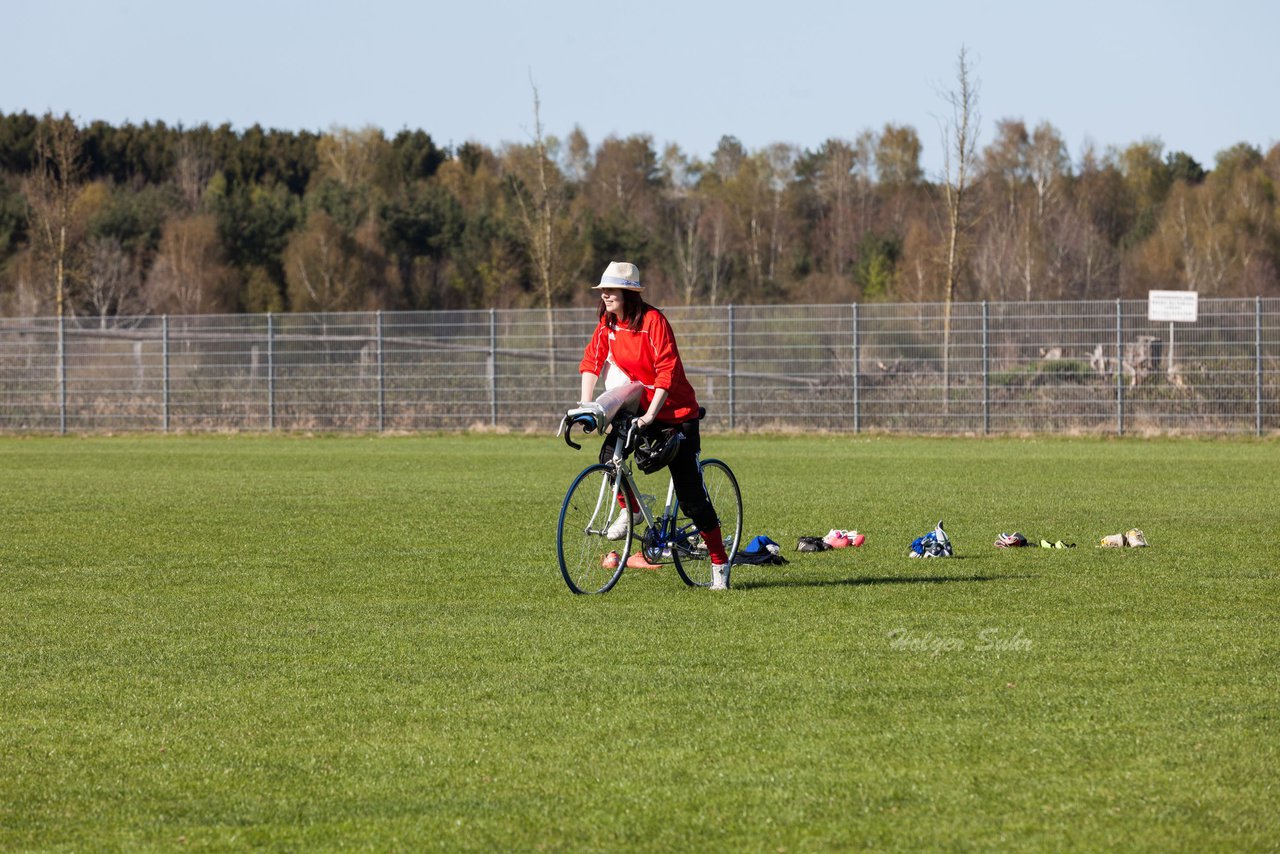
(655, 405)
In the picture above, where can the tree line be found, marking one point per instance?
(101, 220)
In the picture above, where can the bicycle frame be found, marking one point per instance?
(661, 532)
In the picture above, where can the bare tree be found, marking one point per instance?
(349, 156)
(1021, 181)
(51, 191)
(959, 145)
(834, 184)
(578, 159)
(897, 166)
(542, 204)
(685, 212)
(750, 195)
(316, 273)
(1092, 205)
(329, 269)
(111, 283)
(781, 160)
(189, 275)
(718, 265)
(192, 173)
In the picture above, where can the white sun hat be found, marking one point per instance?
(620, 274)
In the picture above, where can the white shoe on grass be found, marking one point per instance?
(719, 576)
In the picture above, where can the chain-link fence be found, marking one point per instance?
(992, 368)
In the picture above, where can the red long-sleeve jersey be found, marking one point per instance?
(648, 355)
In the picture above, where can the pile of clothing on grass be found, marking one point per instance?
(935, 543)
(1132, 538)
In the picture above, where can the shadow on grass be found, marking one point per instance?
(859, 582)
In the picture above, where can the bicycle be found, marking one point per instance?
(591, 505)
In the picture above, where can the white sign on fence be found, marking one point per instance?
(1172, 306)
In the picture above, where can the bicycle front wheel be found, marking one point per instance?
(692, 562)
(589, 561)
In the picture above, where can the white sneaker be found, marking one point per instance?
(618, 530)
(719, 576)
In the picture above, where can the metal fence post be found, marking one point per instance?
(1257, 366)
(164, 361)
(731, 369)
(62, 374)
(271, 372)
(493, 367)
(857, 389)
(382, 380)
(986, 383)
(1119, 372)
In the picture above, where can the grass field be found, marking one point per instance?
(302, 643)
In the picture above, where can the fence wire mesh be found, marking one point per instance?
(979, 368)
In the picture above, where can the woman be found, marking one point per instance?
(634, 342)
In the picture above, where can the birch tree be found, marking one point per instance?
(51, 190)
(189, 275)
(959, 144)
(111, 282)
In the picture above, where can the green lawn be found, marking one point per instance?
(361, 642)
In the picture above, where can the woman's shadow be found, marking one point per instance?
(861, 582)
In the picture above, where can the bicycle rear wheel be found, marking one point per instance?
(585, 553)
(692, 562)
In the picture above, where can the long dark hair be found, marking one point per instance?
(633, 309)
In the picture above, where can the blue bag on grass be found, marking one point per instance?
(936, 543)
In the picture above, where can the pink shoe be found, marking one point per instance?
(638, 561)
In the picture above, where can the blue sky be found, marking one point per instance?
(1200, 76)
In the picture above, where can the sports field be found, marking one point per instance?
(308, 643)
